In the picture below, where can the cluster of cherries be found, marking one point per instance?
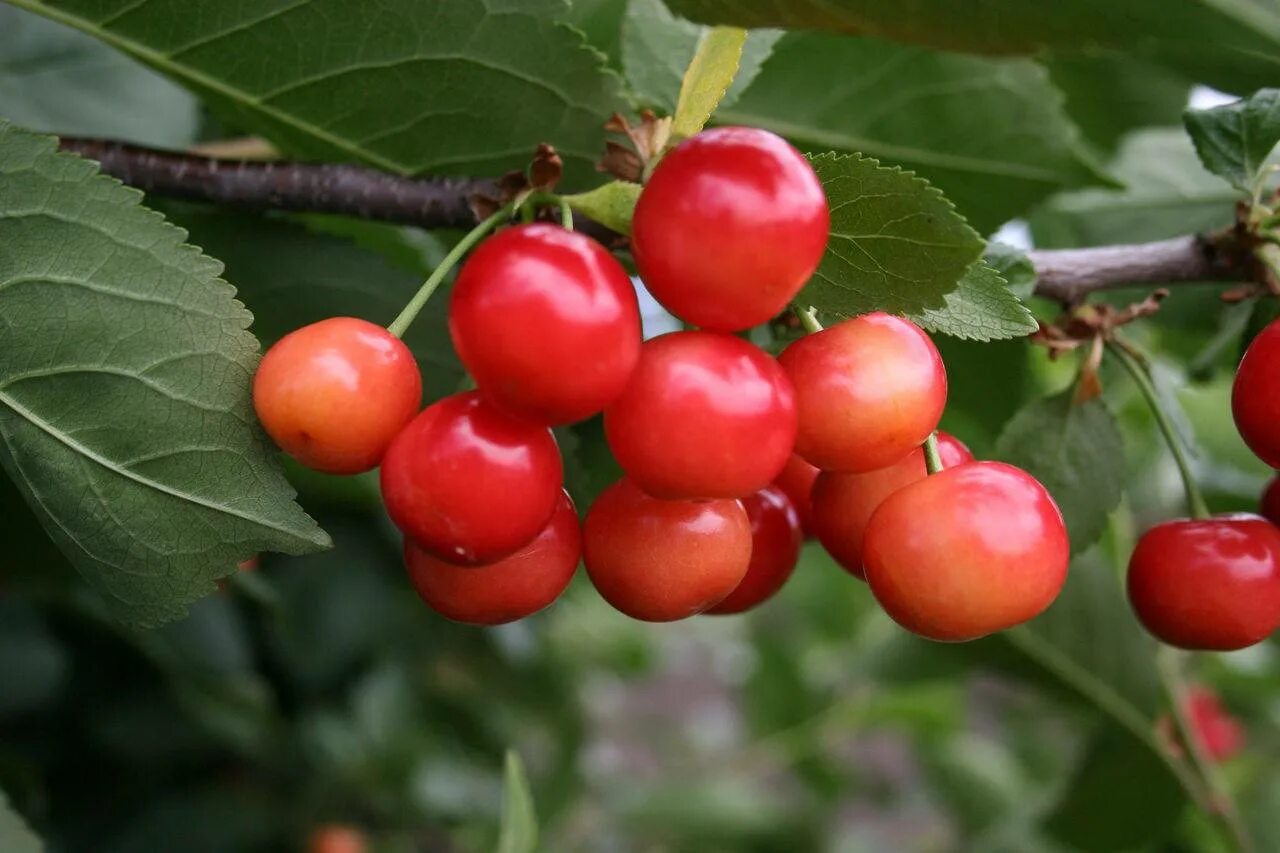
(729, 454)
(1214, 583)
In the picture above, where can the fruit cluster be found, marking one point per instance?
(729, 454)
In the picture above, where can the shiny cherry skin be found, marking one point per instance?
(508, 589)
(843, 503)
(796, 480)
(469, 484)
(1271, 501)
(706, 415)
(1208, 584)
(1255, 397)
(966, 552)
(870, 389)
(546, 322)
(776, 537)
(729, 227)
(659, 561)
(335, 393)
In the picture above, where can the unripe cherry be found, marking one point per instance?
(334, 394)
(776, 537)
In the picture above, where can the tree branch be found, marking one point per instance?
(1064, 275)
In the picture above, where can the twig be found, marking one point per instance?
(1068, 275)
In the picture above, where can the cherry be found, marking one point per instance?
(1211, 584)
(844, 503)
(470, 484)
(1219, 732)
(729, 227)
(335, 393)
(337, 838)
(705, 415)
(1255, 398)
(659, 560)
(966, 552)
(546, 321)
(1271, 501)
(509, 589)
(776, 537)
(796, 480)
(869, 390)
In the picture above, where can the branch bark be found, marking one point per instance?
(1064, 275)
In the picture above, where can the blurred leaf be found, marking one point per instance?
(716, 814)
(1265, 312)
(15, 836)
(1121, 797)
(987, 384)
(519, 832)
(657, 47)
(1169, 193)
(1110, 94)
(33, 664)
(207, 820)
(1077, 452)
(126, 413)
(712, 69)
(1234, 140)
(991, 134)
(55, 79)
(1014, 267)
(611, 204)
(896, 242)
(457, 86)
(1231, 45)
(981, 308)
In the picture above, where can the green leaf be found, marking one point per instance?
(612, 204)
(456, 86)
(992, 134)
(981, 308)
(519, 832)
(1231, 44)
(1109, 94)
(896, 243)
(55, 79)
(33, 663)
(1234, 140)
(1168, 194)
(707, 79)
(125, 410)
(1014, 267)
(1077, 452)
(657, 48)
(15, 836)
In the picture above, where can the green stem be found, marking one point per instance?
(932, 458)
(401, 323)
(809, 319)
(566, 213)
(1195, 501)
(1221, 806)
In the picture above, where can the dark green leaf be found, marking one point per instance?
(15, 837)
(896, 243)
(1169, 193)
(124, 390)
(601, 22)
(991, 134)
(33, 664)
(1235, 140)
(58, 80)
(519, 833)
(981, 308)
(1077, 452)
(1110, 94)
(457, 86)
(1121, 797)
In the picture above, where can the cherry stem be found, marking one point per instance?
(566, 213)
(1195, 501)
(1219, 804)
(809, 319)
(932, 458)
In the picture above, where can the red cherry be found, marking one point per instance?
(469, 484)
(546, 321)
(705, 415)
(796, 480)
(843, 503)
(776, 538)
(335, 393)
(966, 552)
(661, 560)
(1255, 398)
(1221, 734)
(869, 389)
(730, 226)
(337, 838)
(1271, 502)
(1211, 584)
(509, 589)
